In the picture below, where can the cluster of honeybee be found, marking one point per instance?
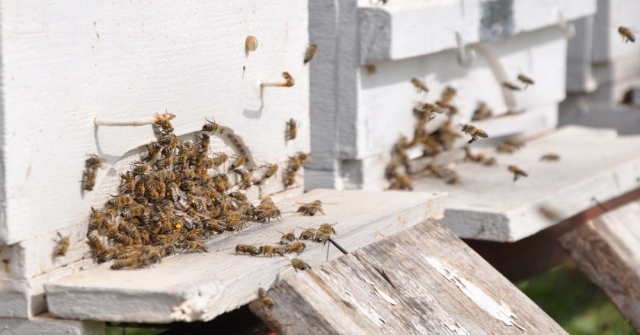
(177, 196)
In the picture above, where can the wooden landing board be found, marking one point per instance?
(423, 280)
(607, 250)
(488, 205)
(200, 286)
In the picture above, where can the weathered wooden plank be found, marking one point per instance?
(423, 280)
(193, 287)
(488, 205)
(607, 250)
(46, 324)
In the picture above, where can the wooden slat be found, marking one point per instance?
(420, 281)
(607, 250)
(192, 287)
(488, 205)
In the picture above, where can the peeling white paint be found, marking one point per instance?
(456, 328)
(500, 311)
(197, 305)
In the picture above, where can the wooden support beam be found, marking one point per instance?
(607, 250)
(423, 280)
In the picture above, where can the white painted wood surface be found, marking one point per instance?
(193, 287)
(48, 325)
(580, 77)
(401, 29)
(66, 63)
(488, 205)
(607, 42)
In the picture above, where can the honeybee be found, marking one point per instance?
(61, 247)
(271, 170)
(482, 112)
(489, 161)
(517, 172)
(287, 237)
(266, 301)
(170, 140)
(302, 157)
(390, 169)
(270, 250)
(122, 239)
(322, 237)
(311, 208)
(297, 247)
(205, 143)
(505, 148)
(515, 143)
(88, 180)
(140, 168)
(153, 152)
(220, 159)
(216, 226)
(291, 130)
(468, 156)
(474, 132)
(310, 53)
(240, 161)
(525, 80)
(453, 179)
(247, 249)
(289, 178)
(401, 182)
(626, 34)
(245, 178)
(510, 86)
(289, 81)
(308, 234)
(94, 162)
(327, 228)
(238, 195)
(550, 157)
(448, 94)
(211, 126)
(165, 126)
(120, 200)
(371, 69)
(299, 264)
(127, 183)
(195, 246)
(234, 223)
(420, 86)
(133, 262)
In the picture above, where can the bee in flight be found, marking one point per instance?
(525, 80)
(517, 172)
(627, 35)
(474, 132)
(420, 86)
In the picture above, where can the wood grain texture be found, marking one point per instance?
(488, 205)
(47, 325)
(66, 63)
(607, 250)
(200, 286)
(420, 281)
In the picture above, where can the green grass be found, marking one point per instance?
(575, 303)
(113, 330)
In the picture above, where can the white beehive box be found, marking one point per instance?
(357, 117)
(64, 64)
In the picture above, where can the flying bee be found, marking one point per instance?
(211, 126)
(220, 159)
(245, 178)
(371, 69)
(240, 161)
(62, 246)
(287, 237)
(299, 264)
(420, 86)
(482, 112)
(165, 126)
(401, 182)
(302, 157)
(297, 247)
(270, 250)
(474, 132)
(88, 180)
(310, 53)
(453, 179)
(514, 143)
(626, 34)
(550, 157)
(247, 249)
(308, 234)
(94, 162)
(505, 148)
(271, 170)
(489, 161)
(327, 228)
(266, 301)
(289, 178)
(510, 86)
(291, 130)
(448, 94)
(517, 172)
(525, 80)
(469, 156)
(311, 208)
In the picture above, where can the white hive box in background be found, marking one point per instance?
(64, 64)
(357, 116)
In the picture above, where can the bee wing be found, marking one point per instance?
(483, 135)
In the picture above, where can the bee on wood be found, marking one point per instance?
(310, 53)
(216, 226)
(288, 79)
(140, 168)
(88, 180)
(61, 247)
(270, 250)
(517, 172)
(371, 69)
(550, 157)
(297, 247)
(133, 262)
(420, 86)
(165, 126)
(211, 126)
(401, 182)
(122, 239)
(299, 264)
(525, 80)
(247, 249)
(308, 234)
(234, 223)
(482, 112)
(205, 143)
(327, 228)
(127, 183)
(474, 132)
(322, 237)
(170, 141)
(266, 301)
(94, 162)
(287, 237)
(511, 86)
(195, 246)
(626, 34)
(291, 130)
(383, 2)
(153, 153)
(240, 161)
(238, 195)
(311, 208)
